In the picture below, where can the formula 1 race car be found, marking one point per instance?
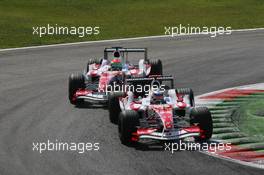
(101, 75)
(163, 113)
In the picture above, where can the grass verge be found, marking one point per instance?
(252, 118)
(119, 19)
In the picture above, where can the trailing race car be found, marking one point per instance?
(101, 75)
(164, 113)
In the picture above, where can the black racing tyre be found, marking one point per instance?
(76, 81)
(113, 106)
(127, 124)
(156, 67)
(187, 91)
(202, 117)
(92, 61)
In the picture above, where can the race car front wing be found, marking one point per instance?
(92, 97)
(173, 134)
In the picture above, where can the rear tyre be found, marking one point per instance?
(156, 67)
(113, 106)
(127, 123)
(76, 81)
(187, 91)
(201, 116)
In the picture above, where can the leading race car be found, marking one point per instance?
(164, 113)
(102, 75)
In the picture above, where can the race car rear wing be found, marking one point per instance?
(160, 78)
(124, 50)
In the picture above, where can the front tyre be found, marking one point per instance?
(76, 81)
(201, 116)
(113, 106)
(127, 123)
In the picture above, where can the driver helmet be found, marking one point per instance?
(116, 54)
(116, 64)
(157, 97)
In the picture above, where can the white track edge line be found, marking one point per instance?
(236, 87)
(249, 164)
(115, 40)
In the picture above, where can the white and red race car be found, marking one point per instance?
(162, 114)
(102, 75)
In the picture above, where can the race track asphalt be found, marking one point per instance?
(34, 106)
